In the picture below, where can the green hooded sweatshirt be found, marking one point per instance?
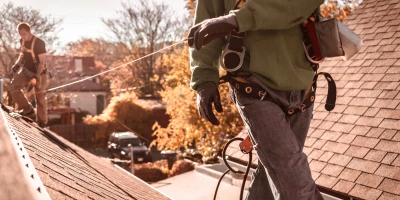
(273, 42)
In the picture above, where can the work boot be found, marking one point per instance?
(29, 113)
(42, 125)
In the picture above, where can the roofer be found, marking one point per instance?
(269, 76)
(32, 60)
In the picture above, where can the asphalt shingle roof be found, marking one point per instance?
(354, 149)
(69, 172)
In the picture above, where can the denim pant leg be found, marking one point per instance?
(259, 187)
(279, 147)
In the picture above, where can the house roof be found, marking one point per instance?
(67, 64)
(354, 149)
(65, 170)
(88, 65)
(63, 69)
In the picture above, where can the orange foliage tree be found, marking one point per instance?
(122, 114)
(339, 9)
(186, 128)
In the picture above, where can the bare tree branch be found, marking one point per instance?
(144, 27)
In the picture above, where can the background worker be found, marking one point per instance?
(32, 60)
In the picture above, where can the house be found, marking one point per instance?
(87, 95)
(36, 163)
(353, 151)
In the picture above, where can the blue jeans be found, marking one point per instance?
(283, 171)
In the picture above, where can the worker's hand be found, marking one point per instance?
(205, 97)
(31, 85)
(33, 81)
(15, 68)
(206, 31)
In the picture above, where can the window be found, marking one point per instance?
(78, 65)
(132, 141)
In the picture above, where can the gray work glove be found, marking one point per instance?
(205, 97)
(206, 31)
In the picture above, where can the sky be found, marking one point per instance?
(82, 18)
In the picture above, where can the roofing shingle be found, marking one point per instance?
(69, 172)
(371, 119)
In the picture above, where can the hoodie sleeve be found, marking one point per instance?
(204, 63)
(274, 14)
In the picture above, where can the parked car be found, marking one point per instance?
(118, 147)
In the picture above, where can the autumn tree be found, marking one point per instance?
(191, 6)
(144, 27)
(123, 113)
(186, 127)
(44, 26)
(339, 9)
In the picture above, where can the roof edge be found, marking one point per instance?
(133, 176)
(33, 182)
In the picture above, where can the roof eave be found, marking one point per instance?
(33, 187)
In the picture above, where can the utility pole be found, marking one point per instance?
(132, 159)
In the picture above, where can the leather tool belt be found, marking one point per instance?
(255, 91)
(29, 77)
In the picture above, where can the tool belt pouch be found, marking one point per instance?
(331, 38)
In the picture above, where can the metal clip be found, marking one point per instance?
(227, 51)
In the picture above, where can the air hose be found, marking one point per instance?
(224, 158)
